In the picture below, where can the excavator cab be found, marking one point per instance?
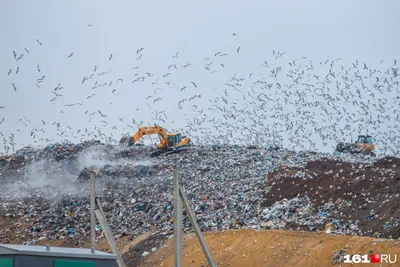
(364, 139)
(171, 141)
(174, 139)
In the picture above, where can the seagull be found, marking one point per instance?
(16, 72)
(15, 54)
(10, 71)
(155, 100)
(89, 25)
(20, 57)
(15, 88)
(140, 50)
(194, 84)
(57, 94)
(38, 42)
(111, 57)
(183, 88)
(176, 55)
(2, 120)
(237, 50)
(38, 68)
(71, 55)
(113, 91)
(90, 96)
(234, 34)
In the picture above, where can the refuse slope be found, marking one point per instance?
(354, 197)
(272, 248)
(44, 193)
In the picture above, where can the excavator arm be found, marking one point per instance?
(147, 130)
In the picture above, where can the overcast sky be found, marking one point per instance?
(93, 30)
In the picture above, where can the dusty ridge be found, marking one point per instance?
(237, 248)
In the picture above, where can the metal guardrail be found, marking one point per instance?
(179, 199)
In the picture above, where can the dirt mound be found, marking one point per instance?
(364, 195)
(270, 248)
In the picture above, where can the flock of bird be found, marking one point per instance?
(299, 103)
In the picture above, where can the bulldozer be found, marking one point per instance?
(364, 145)
(169, 142)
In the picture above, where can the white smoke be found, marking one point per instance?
(52, 180)
(93, 157)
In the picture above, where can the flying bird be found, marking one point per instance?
(111, 57)
(155, 100)
(71, 55)
(140, 50)
(194, 84)
(10, 71)
(38, 42)
(38, 68)
(15, 88)
(237, 50)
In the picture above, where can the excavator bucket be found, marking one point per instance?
(126, 141)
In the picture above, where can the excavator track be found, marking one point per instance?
(169, 151)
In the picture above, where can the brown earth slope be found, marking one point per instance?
(271, 248)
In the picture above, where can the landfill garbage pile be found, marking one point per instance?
(44, 193)
(347, 197)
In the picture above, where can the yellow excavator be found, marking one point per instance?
(169, 142)
(364, 144)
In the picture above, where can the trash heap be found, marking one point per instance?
(45, 192)
(347, 197)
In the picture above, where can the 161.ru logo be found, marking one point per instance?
(375, 258)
